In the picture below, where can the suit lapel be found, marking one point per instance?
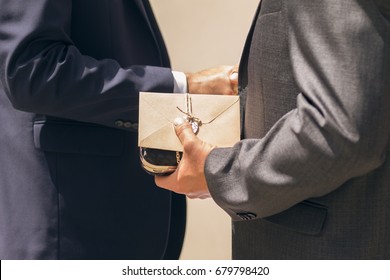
(141, 7)
(146, 11)
(245, 54)
(243, 71)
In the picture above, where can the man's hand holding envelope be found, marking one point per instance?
(219, 80)
(214, 121)
(213, 118)
(188, 178)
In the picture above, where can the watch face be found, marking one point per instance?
(159, 162)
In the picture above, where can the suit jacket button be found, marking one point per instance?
(128, 124)
(119, 123)
(246, 215)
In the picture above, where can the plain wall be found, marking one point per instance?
(200, 34)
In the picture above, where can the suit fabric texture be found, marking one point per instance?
(71, 186)
(311, 177)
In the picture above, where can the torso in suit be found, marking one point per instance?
(311, 179)
(71, 186)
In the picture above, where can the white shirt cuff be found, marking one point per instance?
(180, 82)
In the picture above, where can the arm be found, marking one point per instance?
(339, 129)
(44, 72)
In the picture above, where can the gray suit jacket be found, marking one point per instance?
(311, 178)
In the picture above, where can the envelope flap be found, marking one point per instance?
(167, 139)
(163, 104)
(215, 112)
(206, 107)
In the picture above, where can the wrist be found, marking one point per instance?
(189, 77)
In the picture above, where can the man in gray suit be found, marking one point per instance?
(311, 177)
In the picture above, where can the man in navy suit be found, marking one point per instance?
(71, 186)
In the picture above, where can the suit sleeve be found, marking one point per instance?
(43, 72)
(339, 129)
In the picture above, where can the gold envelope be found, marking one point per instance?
(219, 116)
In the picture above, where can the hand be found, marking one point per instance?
(219, 80)
(189, 178)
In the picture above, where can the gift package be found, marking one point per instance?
(214, 119)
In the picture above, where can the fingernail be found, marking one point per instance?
(233, 76)
(178, 121)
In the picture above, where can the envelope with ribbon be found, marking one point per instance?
(214, 118)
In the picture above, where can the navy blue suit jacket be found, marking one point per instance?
(71, 186)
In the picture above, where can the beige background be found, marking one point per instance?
(201, 34)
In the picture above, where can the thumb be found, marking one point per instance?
(234, 73)
(183, 130)
(233, 77)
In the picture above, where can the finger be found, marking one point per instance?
(234, 73)
(183, 130)
(166, 182)
(198, 196)
(204, 196)
(233, 78)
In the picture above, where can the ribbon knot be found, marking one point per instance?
(195, 122)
